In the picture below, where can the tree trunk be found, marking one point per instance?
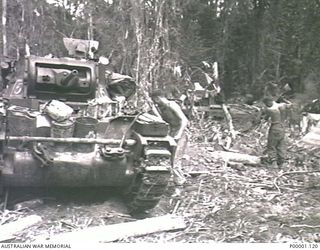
(114, 232)
(90, 29)
(4, 29)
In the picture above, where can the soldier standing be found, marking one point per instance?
(171, 113)
(276, 136)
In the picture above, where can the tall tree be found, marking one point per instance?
(4, 27)
(161, 42)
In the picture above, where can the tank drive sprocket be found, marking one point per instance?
(150, 183)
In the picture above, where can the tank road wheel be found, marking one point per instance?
(150, 184)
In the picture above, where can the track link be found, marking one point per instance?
(150, 184)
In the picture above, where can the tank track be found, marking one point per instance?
(150, 184)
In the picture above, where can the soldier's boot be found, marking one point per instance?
(264, 160)
(273, 165)
(281, 163)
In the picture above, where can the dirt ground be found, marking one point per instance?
(220, 201)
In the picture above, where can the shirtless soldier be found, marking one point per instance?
(276, 137)
(171, 113)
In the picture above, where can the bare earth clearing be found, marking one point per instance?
(220, 201)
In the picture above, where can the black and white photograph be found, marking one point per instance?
(159, 121)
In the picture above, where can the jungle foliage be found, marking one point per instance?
(162, 43)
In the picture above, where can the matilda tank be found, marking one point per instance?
(67, 124)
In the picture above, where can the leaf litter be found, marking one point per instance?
(221, 201)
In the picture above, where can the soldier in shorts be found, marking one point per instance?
(276, 148)
(172, 113)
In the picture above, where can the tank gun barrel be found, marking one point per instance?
(70, 78)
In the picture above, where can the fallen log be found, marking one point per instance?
(109, 233)
(312, 138)
(30, 204)
(236, 157)
(7, 231)
(196, 173)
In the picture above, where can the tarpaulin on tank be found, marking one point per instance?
(121, 85)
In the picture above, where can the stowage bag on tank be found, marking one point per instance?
(58, 111)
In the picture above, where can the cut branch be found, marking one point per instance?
(289, 173)
(124, 230)
(236, 157)
(304, 225)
